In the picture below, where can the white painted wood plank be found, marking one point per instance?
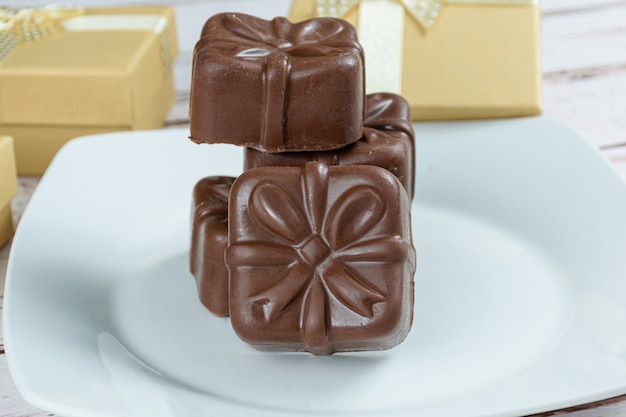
(595, 104)
(584, 40)
(618, 158)
(26, 187)
(609, 408)
(565, 6)
(4, 259)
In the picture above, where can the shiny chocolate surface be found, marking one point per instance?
(277, 86)
(388, 142)
(209, 239)
(320, 258)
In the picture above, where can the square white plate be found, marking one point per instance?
(520, 230)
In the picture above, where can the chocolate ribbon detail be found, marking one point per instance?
(212, 197)
(275, 44)
(323, 246)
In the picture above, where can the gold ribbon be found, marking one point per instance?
(425, 12)
(25, 25)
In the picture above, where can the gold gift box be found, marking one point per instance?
(480, 59)
(8, 187)
(105, 70)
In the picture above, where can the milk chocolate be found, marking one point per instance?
(388, 142)
(209, 239)
(320, 258)
(277, 86)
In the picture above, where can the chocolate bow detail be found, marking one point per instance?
(387, 111)
(320, 249)
(250, 37)
(24, 25)
(211, 196)
(276, 45)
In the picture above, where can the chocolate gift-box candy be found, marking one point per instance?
(388, 142)
(209, 239)
(277, 86)
(320, 258)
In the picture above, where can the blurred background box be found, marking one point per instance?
(97, 70)
(454, 59)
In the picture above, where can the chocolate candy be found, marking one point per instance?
(388, 142)
(209, 238)
(276, 86)
(320, 258)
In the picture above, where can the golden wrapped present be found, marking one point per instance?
(68, 72)
(451, 59)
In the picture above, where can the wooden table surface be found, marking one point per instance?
(584, 73)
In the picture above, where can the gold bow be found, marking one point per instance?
(24, 25)
(425, 12)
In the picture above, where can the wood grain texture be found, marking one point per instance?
(612, 407)
(26, 187)
(584, 67)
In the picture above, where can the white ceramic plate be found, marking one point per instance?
(520, 229)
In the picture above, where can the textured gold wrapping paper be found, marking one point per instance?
(78, 82)
(477, 61)
(8, 187)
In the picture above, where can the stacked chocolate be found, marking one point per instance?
(310, 248)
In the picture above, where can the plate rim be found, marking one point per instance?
(84, 142)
